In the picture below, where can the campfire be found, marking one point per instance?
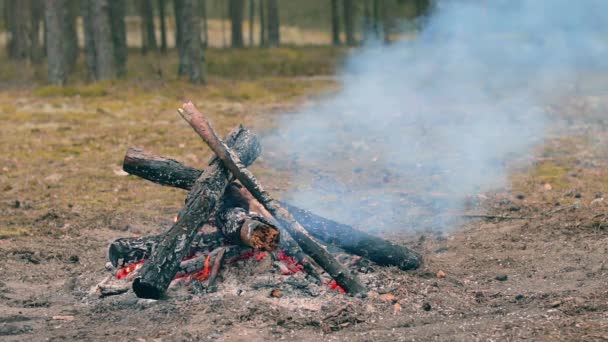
(228, 218)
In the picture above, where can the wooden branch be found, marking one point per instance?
(378, 250)
(339, 273)
(215, 270)
(163, 263)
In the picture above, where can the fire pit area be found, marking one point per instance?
(232, 235)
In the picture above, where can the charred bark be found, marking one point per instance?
(125, 251)
(250, 229)
(172, 173)
(163, 263)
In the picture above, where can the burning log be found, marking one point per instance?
(163, 263)
(251, 229)
(124, 251)
(233, 162)
(169, 172)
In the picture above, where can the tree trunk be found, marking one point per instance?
(205, 28)
(55, 13)
(99, 44)
(162, 265)
(19, 29)
(119, 35)
(191, 51)
(163, 27)
(367, 20)
(71, 35)
(147, 26)
(335, 23)
(262, 23)
(251, 20)
(274, 25)
(349, 22)
(183, 58)
(376, 18)
(36, 53)
(235, 9)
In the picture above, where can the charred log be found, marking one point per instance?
(169, 172)
(163, 263)
(250, 229)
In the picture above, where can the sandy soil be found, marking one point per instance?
(63, 199)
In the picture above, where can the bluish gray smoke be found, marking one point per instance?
(420, 125)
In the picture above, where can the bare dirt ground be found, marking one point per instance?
(539, 274)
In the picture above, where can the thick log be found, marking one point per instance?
(233, 162)
(169, 172)
(125, 251)
(163, 263)
(251, 229)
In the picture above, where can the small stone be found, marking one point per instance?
(501, 277)
(388, 297)
(441, 274)
(63, 318)
(396, 308)
(426, 306)
(556, 303)
(109, 266)
(547, 187)
(520, 196)
(276, 293)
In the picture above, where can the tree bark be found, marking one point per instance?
(262, 7)
(119, 35)
(126, 251)
(349, 22)
(335, 23)
(274, 25)
(169, 172)
(19, 28)
(231, 160)
(163, 26)
(205, 27)
(36, 53)
(163, 263)
(235, 9)
(71, 35)
(147, 26)
(251, 21)
(56, 52)
(250, 229)
(191, 50)
(99, 45)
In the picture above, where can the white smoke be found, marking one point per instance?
(421, 124)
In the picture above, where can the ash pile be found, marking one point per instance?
(232, 234)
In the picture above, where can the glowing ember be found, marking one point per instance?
(204, 273)
(292, 265)
(260, 256)
(334, 286)
(125, 271)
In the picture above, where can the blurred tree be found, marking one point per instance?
(71, 34)
(18, 25)
(99, 45)
(274, 33)
(349, 22)
(262, 23)
(251, 20)
(37, 16)
(148, 32)
(163, 26)
(55, 13)
(203, 5)
(190, 47)
(335, 22)
(235, 10)
(119, 35)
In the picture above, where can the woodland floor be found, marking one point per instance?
(63, 198)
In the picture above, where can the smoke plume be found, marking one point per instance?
(421, 125)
